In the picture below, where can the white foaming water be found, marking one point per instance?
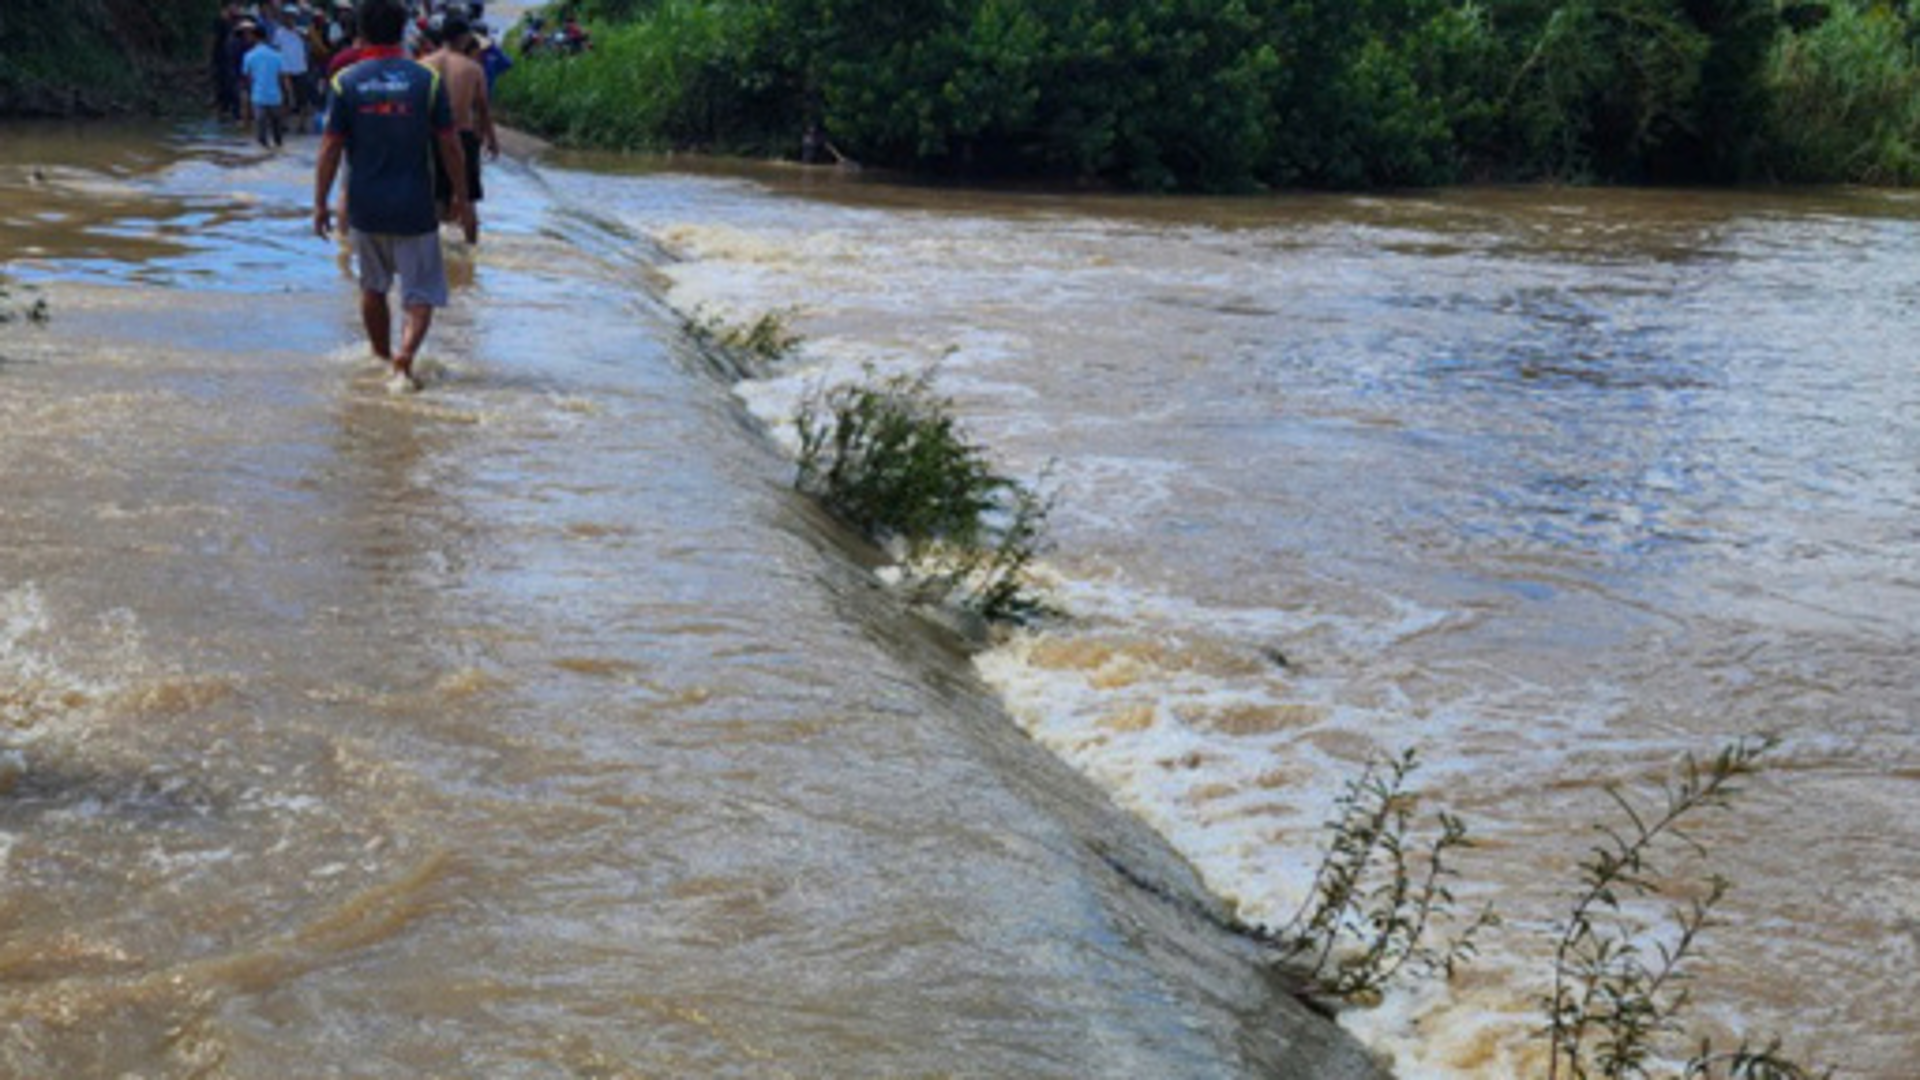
(1340, 478)
(38, 691)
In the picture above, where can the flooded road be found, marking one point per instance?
(1552, 486)
(529, 727)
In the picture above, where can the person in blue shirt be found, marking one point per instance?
(493, 60)
(390, 115)
(264, 81)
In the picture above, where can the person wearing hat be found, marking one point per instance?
(263, 85)
(390, 115)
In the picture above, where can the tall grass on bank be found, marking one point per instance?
(888, 458)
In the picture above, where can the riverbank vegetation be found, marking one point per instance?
(1238, 94)
(89, 57)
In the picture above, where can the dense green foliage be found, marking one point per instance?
(1233, 94)
(64, 56)
(888, 458)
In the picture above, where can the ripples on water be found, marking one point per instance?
(1554, 486)
(530, 727)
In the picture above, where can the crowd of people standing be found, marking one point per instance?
(272, 63)
(400, 93)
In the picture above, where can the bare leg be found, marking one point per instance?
(419, 321)
(378, 319)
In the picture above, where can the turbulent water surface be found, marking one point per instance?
(532, 725)
(529, 727)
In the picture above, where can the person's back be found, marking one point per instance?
(466, 85)
(292, 46)
(262, 66)
(494, 61)
(264, 77)
(384, 108)
(390, 116)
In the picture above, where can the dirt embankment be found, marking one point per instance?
(99, 57)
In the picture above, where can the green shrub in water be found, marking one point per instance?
(1373, 898)
(1618, 990)
(769, 338)
(889, 459)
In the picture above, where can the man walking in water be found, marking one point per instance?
(390, 113)
(265, 84)
(466, 83)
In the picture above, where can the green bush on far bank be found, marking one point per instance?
(1846, 100)
(685, 73)
(1238, 94)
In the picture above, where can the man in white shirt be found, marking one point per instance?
(292, 45)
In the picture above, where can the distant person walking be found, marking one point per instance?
(466, 83)
(390, 114)
(264, 81)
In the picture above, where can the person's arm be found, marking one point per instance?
(446, 138)
(483, 117)
(455, 160)
(332, 148)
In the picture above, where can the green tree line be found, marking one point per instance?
(1239, 94)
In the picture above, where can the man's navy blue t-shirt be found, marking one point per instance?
(389, 109)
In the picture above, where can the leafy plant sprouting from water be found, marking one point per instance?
(888, 458)
(1616, 1000)
(1375, 895)
(769, 338)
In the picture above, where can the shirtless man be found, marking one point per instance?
(466, 83)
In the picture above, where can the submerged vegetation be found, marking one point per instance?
(1620, 985)
(1233, 94)
(1620, 973)
(1374, 898)
(767, 339)
(888, 458)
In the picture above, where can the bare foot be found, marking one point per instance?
(403, 380)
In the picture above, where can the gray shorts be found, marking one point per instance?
(415, 260)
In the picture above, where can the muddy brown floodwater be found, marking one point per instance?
(1552, 486)
(533, 727)
(529, 727)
